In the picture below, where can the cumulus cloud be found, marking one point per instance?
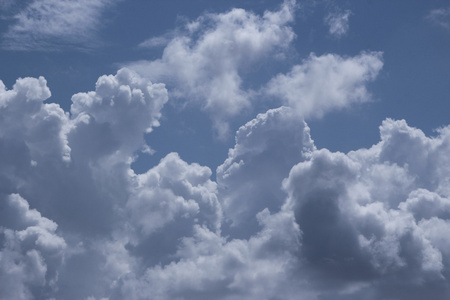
(75, 167)
(31, 251)
(50, 25)
(361, 213)
(284, 219)
(266, 149)
(326, 82)
(338, 23)
(205, 62)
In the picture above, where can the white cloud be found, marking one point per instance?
(338, 23)
(117, 100)
(204, 64)
(324, 83)
(440, 16)
(52, 24)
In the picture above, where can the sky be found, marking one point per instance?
(224, 149)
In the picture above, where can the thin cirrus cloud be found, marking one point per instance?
(53, 24)
(283, 220)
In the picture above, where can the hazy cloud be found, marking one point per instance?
(440, 16)
(53, 24)
(338, 23)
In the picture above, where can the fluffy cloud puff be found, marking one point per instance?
(204, 64)
(327, 82)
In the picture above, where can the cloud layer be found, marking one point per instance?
(282, 220)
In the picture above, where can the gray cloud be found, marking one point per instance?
(284, 220)
(266, 149)
(360, 218)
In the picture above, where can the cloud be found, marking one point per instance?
(239, 269)
(52, 24)
(31, 251)
(338, 23)
(284, 219)
(204, 63)
(324, 83)
(158, 41)
(266, 149)
(440, 17)
(117, 99)
(361, 214)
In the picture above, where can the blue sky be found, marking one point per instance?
(224, 149)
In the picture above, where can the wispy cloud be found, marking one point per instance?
(54, 24)
(157, 41)
(338, 23)
(440, 17)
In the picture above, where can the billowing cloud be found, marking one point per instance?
(31, 252)
(366, 216)
(326, 82)
(205, 62)
(338, 23)
(266, 149)
(52, 24)
(282, 220)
